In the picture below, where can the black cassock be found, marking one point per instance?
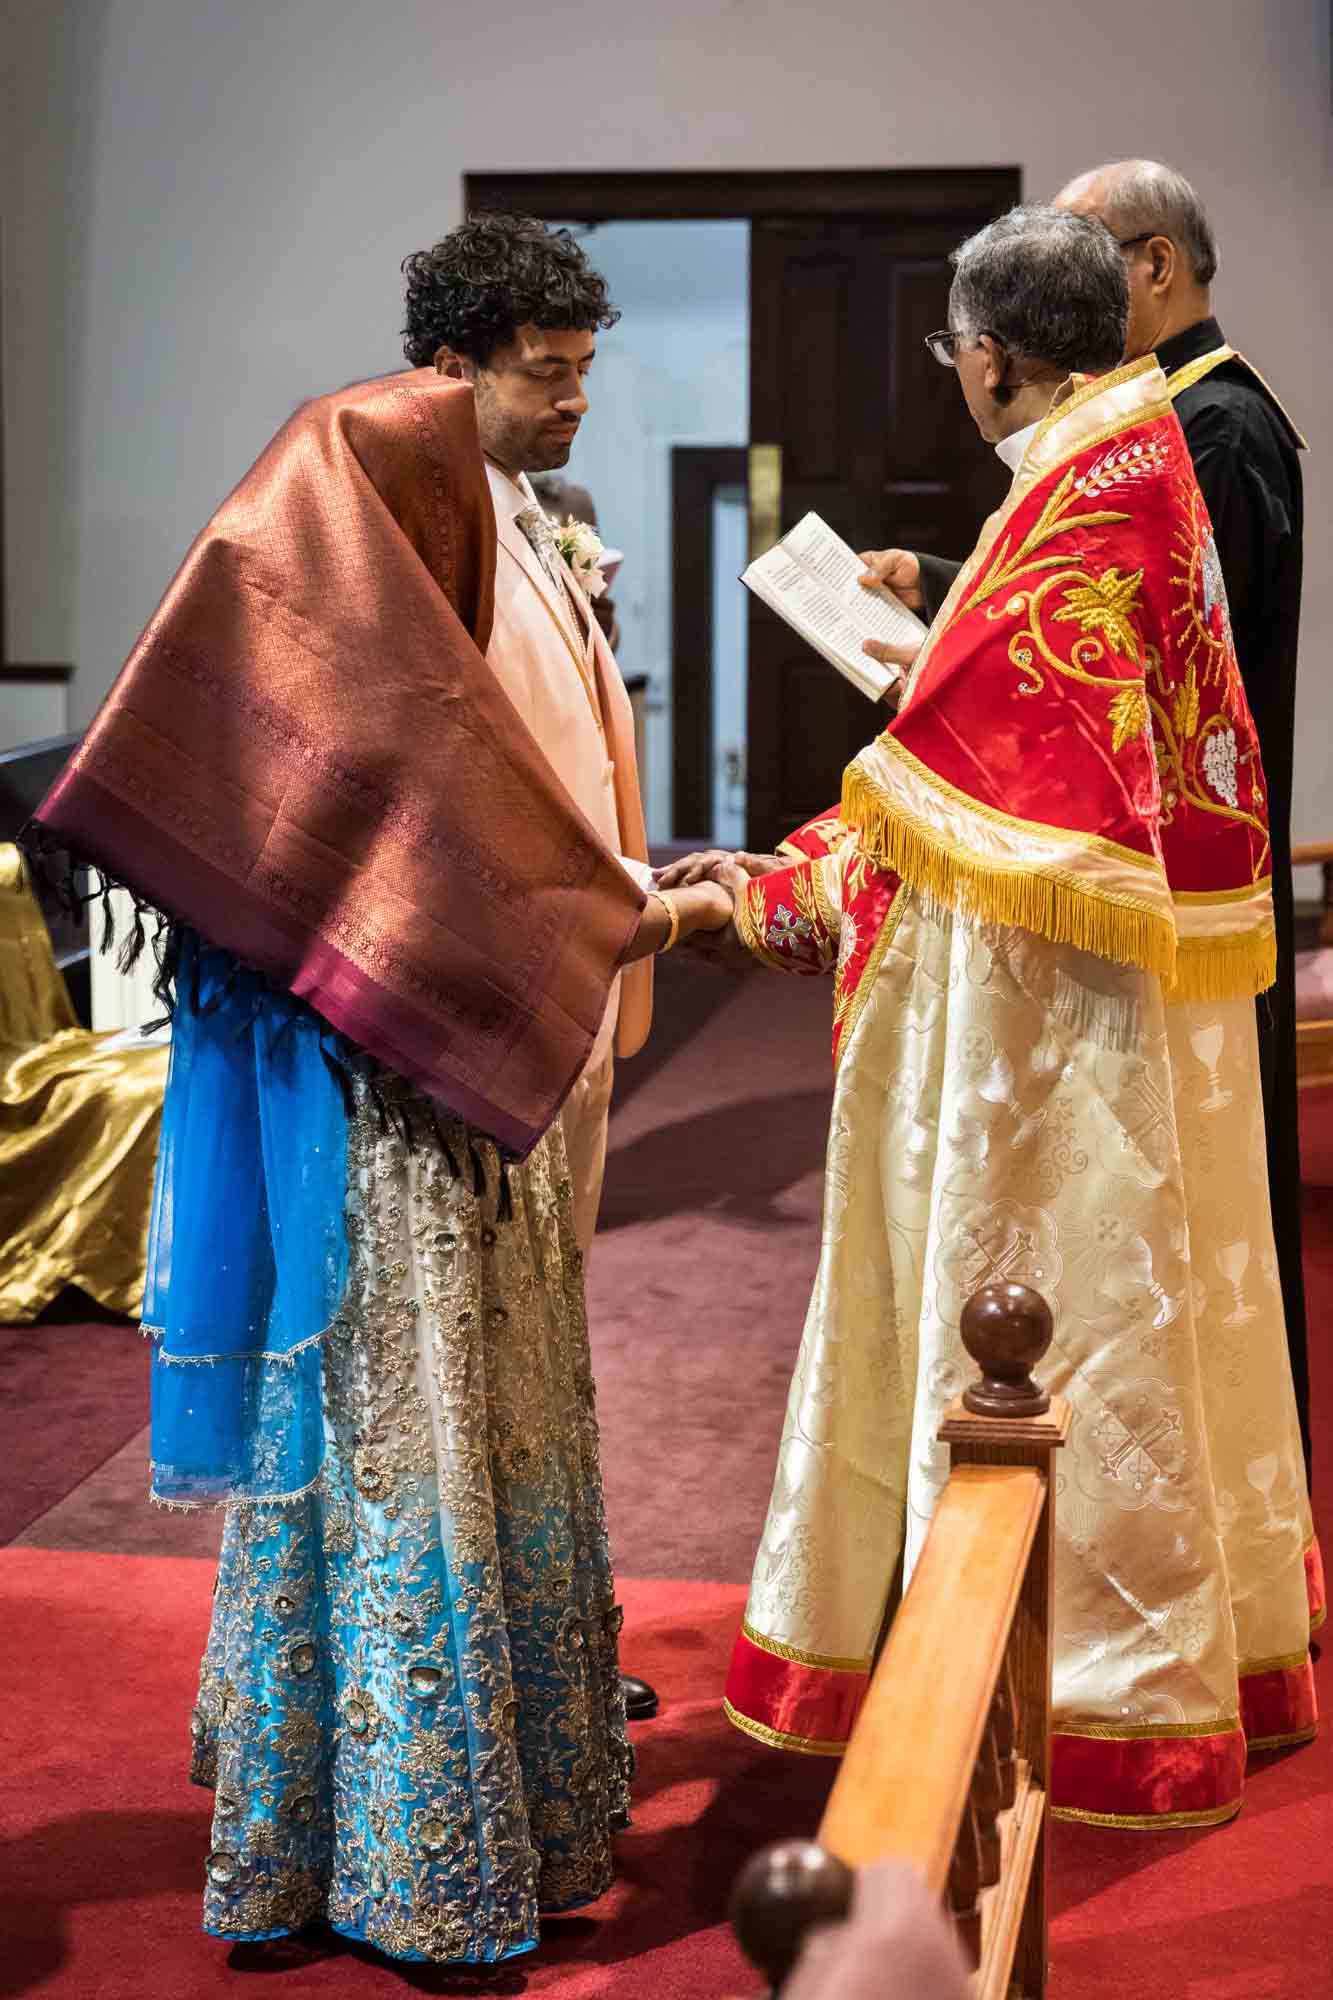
(1246, 458)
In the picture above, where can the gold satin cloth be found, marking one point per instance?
(78, 1130)
(1009, 1108)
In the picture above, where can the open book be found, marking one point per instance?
(810, 579)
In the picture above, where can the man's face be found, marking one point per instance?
(531, 397)
(975, 366)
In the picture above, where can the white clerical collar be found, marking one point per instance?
(1012, 448)
(509, 496)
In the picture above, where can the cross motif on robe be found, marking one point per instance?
(787, 928)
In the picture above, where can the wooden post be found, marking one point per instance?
(948, 1765)
(1007, 1328)
(782, 1894)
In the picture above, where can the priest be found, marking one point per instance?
(1046, 906)
(1246, 455)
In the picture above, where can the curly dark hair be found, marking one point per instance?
(491, 275)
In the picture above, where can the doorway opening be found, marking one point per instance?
(773, 324)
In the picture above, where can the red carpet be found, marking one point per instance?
(698, 1288)
(104, 1837)
(96, 1378)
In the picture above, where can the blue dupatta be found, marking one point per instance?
(247, 1254)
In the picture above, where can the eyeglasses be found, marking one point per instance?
(944, 344)
(1132, 242)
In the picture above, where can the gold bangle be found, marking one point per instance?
(668, 902)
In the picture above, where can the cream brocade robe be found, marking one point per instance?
(1008, 1108)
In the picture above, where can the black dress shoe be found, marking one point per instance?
(640, 1699)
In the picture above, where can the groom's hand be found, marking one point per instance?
(712, 864)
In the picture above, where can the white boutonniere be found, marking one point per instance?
(582, 548)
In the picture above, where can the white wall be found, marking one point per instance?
(675, 371)
(212, 200)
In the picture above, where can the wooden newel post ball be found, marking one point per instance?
(783, 1893)
(1006, 1329)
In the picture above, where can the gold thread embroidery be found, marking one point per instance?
(1025, 829)
(1281, 1663)
(848, 1009)
(782, 1651)
(1213, 1816)
(455, 1595)
(1092, 386)
(1194, 371)
(1282, 1742)
(829, 917)
(1134, 1732)
(1029, 475)
(1200, 898)
(1107, 604)
(778, 1739)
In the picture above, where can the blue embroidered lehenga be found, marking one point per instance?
(409, 1706)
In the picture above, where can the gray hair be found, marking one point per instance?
(1145, 198)
(1046, 284)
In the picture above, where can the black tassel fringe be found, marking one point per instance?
(73, 883)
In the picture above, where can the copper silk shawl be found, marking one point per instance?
(307, 759)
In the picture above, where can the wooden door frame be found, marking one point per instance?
(741, 196)
(909, 194)
(697, 470)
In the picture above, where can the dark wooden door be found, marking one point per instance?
(874, 436)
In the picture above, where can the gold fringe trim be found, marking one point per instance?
(778, 1739)
(1064, 911)
(1235, 967)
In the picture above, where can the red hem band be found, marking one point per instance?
(804, 1705)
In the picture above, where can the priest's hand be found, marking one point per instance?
(892, 697)
(897, 570)
(712, 864)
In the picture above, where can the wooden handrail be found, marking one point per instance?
(1311, 853)
(889, 1799)
(948, 1763)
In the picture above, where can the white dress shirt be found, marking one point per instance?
(1012, 448)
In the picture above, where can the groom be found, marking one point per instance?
(514, 308)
